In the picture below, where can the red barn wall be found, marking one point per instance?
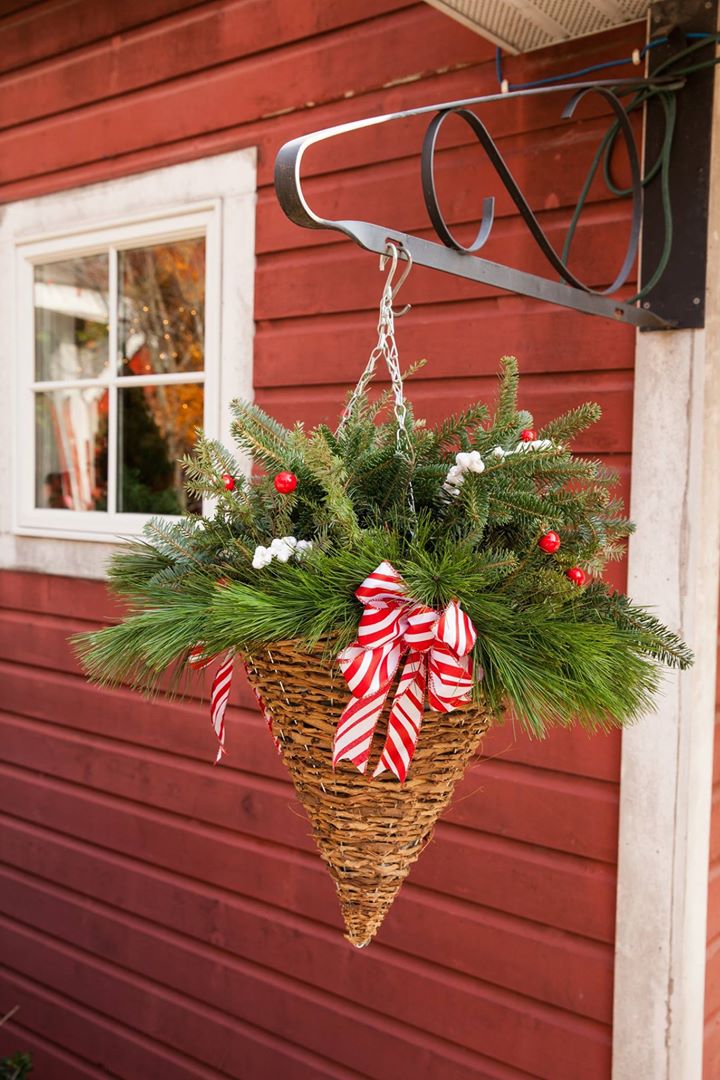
(159, 918)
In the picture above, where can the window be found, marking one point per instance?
(119, 334)
(120, 362)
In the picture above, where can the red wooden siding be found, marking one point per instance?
(711, 1061)
(160, 918)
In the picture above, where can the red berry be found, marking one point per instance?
(228, 481)
(285, 482)
(528, 435)
(549, 543)
(576, 575)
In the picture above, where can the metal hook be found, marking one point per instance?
(393, 251)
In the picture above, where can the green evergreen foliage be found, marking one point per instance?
(16, 1067)
(548, 651)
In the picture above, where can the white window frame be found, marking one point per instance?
(179, 224)
(214, 197)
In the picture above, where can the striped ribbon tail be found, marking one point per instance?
(356, 726)
(220, 693)
(368, 673)
(405, 719)
(219, 698)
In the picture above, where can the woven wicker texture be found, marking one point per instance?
(369, 832)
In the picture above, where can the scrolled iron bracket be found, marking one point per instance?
(450, 256)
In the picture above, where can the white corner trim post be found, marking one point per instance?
(666, 773)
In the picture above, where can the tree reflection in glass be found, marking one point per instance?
(156, 427)
(161, 315)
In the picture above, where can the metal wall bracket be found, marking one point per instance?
(451, 257)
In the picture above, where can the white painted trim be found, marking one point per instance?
(125, 229)
(215, 195)
(666, 775)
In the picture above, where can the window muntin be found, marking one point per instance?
(119, 361)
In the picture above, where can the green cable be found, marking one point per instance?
(661, 165)
(669, 105)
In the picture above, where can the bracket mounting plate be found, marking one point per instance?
(680, 291)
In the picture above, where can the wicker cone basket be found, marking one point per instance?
(369, 831)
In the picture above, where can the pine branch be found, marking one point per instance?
(267, 441)
(567, 427)
(506, 411)
(329, 472)
(549, 651)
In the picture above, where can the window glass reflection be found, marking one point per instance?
(71, 449)
(156, 428)
(161, 308)
(71, 318)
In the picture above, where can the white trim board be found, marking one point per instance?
(666, 774)
(222, 189)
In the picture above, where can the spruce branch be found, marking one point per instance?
(506, 411)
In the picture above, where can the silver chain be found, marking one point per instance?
(386, 348)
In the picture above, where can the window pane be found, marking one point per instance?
(71, 318)
(71, 449)
(156, 427)
(162, 308)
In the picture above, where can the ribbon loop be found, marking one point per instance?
(437, 647)
(381, 623)
(455, 629)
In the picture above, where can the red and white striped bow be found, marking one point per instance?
(438, 662)
(220, 694)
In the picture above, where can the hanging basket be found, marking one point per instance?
(455, 555)
(368, 830)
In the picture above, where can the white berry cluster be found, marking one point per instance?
(464, 463)
(281, 549)
(522, 447)
(472, 462)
